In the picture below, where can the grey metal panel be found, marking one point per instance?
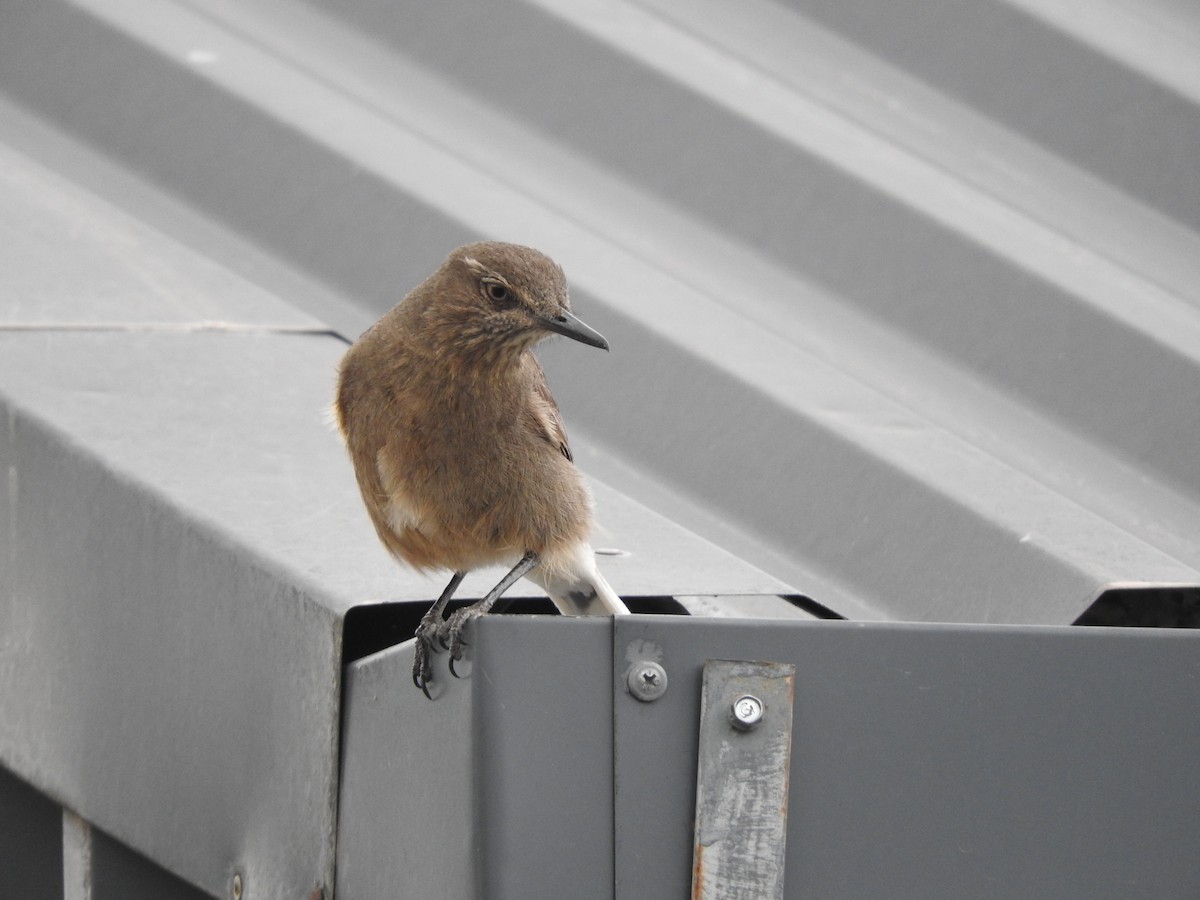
(934, 761)
(407, 802)
(183, 696)
(500, 788)
(545, 758)
(904, 312)
(1029, 65)
(72, 260)
(743, 607)
(958, 362)
(927, 761)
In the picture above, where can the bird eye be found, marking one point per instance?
(499, 293)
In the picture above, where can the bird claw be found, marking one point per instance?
(423, 665)
(422, 682)
(433, 631)
(455, 626)
(422, 669)
(449, 632)
(429, 634)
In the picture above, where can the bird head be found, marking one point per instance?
(505, 296)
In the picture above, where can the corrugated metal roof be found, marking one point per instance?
(903, 297)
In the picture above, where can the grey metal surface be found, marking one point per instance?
(72, 260)
(934, 761)
(500, 788)
(927, 761)
(148, 666)
(911, 329)
(169, 625)
(406, 817)
(905, 318)
(743, 762)
(745, 606)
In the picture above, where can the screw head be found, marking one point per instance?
(647, 681)
(746, 712)
(236, 889)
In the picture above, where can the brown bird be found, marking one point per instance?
(458, 445)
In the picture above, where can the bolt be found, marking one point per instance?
(747, 712)
(647, 681)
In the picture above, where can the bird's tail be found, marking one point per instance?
(579, 589)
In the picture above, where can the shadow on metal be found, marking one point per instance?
(1145, 607)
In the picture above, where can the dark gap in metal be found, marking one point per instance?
(31, 833)
(125, 872)
(377, 626)
(655, 606)
(1152, 607)
(811, 606)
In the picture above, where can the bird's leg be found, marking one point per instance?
(459, 620)
(431, 629)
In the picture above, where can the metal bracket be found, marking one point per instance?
(742, 780)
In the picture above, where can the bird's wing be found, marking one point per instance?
(547, 413)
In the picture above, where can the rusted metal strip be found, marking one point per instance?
(745, 751)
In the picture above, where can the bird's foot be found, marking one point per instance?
(431, 632)
(455, 626)
(449, 632)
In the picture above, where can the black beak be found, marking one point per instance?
(568, 325)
